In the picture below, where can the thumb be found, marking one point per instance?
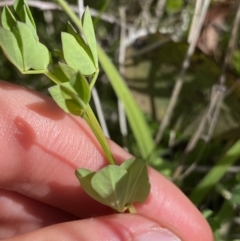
(124, 227)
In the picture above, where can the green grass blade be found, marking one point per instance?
(135, 117)
(214, 176)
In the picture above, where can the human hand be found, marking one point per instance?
(40, 197)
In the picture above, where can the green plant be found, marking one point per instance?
(115, 186)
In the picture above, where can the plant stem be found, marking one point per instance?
(90, 118)
(52, 77)
(34, 72)
(89, 115)
(64, 5)
(132, 209)
(94, 79)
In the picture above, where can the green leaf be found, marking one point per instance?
(135, 117)
(45, 57)
(25, 18)
(63, 97)
(75, 56)
(63, 72)
(60, 74)
(73, 96)
(137, 185)
(174, 5)
(79, 39)
(81, 87)
(235, 200)
(67, 70)
(35, 55)
(8, 20)
(108, 184)
(89, 34)
(59, 53)
(117, 186)
(85, 177)
(23, 11)
(9, 45)
(215, 174)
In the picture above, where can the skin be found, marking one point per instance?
(40, 197)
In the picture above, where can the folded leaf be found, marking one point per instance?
(79, 39)
(27, 20)
(89, 34)
(81, 87)
(67, 70)
(60, 75)
(138, 185)
(8, 20)
(117, 186)
(65, 100)
(25, 14)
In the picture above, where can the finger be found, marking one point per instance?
(115, 227)
(48, 145)
(19, 214)
(40, 149)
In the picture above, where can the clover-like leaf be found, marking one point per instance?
(89, 34)
(72, 96)
(35, 55)
(63, 95)
(9, 45)
(75, 55)
(117, 186)
(8, 19)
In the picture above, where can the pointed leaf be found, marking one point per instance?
(18, 5)
(73, 32)
(9, 45)
(79, 39)
(60, 74)
(85, 177)
(35, 55)
(137, 185)
(81, 86)
(67, 70)
(75, 56)
(71, 94)
(89, 34)
(64, 100)
(25, 19)
(106, 183)
(8, 20)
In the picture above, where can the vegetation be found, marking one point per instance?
(174, 65)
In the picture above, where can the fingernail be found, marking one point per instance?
(159, 234)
